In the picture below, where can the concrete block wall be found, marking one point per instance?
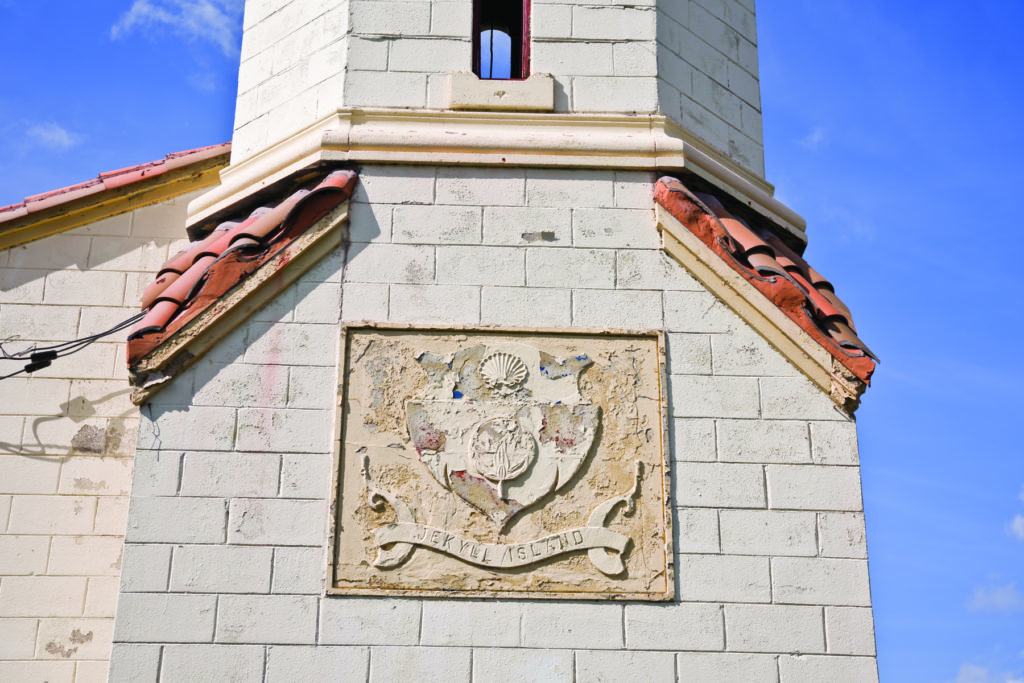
(708, 74)
(224, 561)
(692, 60)
(67, 435)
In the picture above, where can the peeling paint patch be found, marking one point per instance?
(89, 439)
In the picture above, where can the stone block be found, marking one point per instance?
(220, 569)
(796, 398)
(450, 18)
(674, 627)
(369, 621)
(573, 59)
(774, 628)
(813, 669)
(723, 578)
(715, 485)
(697, 530)
(745, 352)
(768, 532)
(697, 311)
(266, 619)
(814, 487)
(565, 625)
(615, 229)
(624, 309)
(689, 354)
(300, 664)
(569, 188)
(42, 596)
(693, 440)
(111, 516)
(298, 570)
(637, 58)
(127, 254)
(149, 617)
(35, 395)
(291, 344)
(390, 664)
(850, 631)
(131, 662)
(23, 286)
(451, 304)
(89, 288)
(834, 443)
(84, 556)
(763, 441)
(476, 186)
(613, 23)
(527, 226)
(472, 623)
(50, 672)
(492, 664)
(101, 596)
(74, 638)
(525, 307)
(390, 18)
(17, 638)
(361, 302)
(722, 397)
(29, 475)
(431, 55)
(259, 521)
(696, 667)
(390, 263)
(386, 89)
(240, 385)
(437, 225)
(230, 474)
(503, 266)
(317, 302)
(305, 476)
(96, 476)
(819, 581)
(841, 534)
(188, 428)
(284, 430)
(651, 269)
(604, 666)
(211, 663)
(395, 184)
(614, 94)
(59, 324)
(570, 268)
(145, 567)
(369, 222)
(52, 515)
(176, 520)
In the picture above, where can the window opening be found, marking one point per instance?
(501, 40)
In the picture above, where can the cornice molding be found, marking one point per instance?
(395, 136)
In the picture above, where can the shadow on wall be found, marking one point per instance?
(89, 439)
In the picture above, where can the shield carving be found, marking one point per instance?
(502, 428)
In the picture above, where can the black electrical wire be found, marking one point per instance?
(40, 357)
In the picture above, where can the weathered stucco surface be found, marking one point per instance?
(509, 459)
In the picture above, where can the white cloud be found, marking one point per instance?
(815, 138)
(1017, 527)
(997, 599)
(970, 673)
(213, 21)
(52, 136)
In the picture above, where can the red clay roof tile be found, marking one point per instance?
(110, 180)
(197, 276)
(774, 269)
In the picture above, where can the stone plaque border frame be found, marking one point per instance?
(658, 336)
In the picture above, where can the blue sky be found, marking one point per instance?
(893, 127)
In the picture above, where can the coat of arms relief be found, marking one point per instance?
(499, 463)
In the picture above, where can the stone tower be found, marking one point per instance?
(448, 350)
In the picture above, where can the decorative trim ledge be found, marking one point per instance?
(467, 91)
(200, 334)
(641, 142)
(800, 348)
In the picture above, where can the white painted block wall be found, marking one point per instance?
(694, 61)
(67, 436)
(223, 571)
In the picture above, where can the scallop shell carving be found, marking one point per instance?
(503, 372)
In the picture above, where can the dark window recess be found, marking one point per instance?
(501, 38)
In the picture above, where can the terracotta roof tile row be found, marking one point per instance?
(198, 275)
(774, 269)
(111, 180)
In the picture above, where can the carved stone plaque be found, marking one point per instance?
(502, 463)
